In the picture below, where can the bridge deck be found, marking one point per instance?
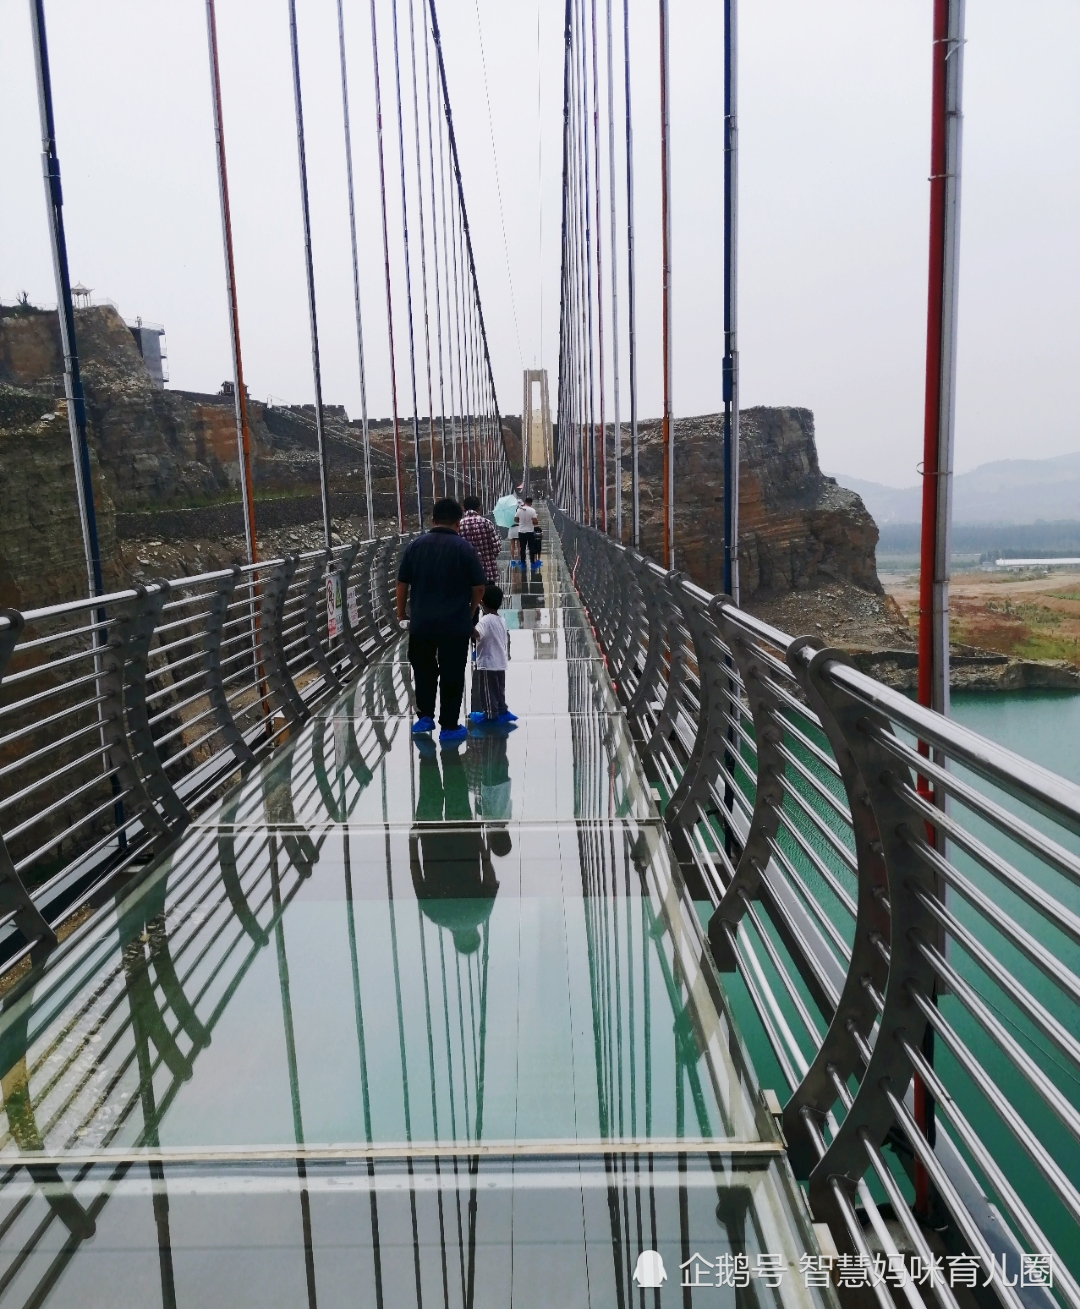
(399, 1022)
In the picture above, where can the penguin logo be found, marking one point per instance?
(650, 1270)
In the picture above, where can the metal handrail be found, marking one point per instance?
(191, 682)
(882, 880)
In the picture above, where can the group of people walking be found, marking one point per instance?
(448, 597)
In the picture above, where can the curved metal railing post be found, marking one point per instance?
(282, 688)
(123, 633)
(746, 884)
(654, 610)
(712, 722)
(667, 709)
(348, 636)
(143, 748)
(14, 897)
(622, 609)
(215, 690)
(885, 964)
(365, 608)
(315, 587)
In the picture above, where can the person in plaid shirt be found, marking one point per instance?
(482, 536)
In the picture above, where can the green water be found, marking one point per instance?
(1043, 726)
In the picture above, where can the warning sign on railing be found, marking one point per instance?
(333, 605)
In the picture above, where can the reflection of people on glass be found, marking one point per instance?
(489, 775)
(451, 867)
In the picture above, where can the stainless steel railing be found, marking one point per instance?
(122, 717)
(896, 899)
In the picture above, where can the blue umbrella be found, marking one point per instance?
(505, 510)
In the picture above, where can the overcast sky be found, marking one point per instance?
(835, 147)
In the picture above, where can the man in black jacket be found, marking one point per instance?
(442, 579)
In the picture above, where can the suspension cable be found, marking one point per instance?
(366, 437)
(243, 432)
(631, 287)
(455, 159)
(435, 247)
(423, 250)
(398, 479)
(408, 271)
(614, 279)
(603, 486)
(309, 268)
(668, 424)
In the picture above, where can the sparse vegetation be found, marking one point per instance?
(1029, 615)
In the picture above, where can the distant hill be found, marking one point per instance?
(1012, 491)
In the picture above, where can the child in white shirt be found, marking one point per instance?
(492, 652)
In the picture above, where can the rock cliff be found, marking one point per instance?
(798, 529)
(159, 456)
(155, 451)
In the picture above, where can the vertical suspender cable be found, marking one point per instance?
(631, 286)
(469, 455)
(668, 425)
(243, 434)
(582, 322)
(435, 248)
(423, 247)
(594, 491)
(408, 274)
(581, 281)
(73, 388)
(603, 483)
(243, 431)
(455, 160)
(731, 301)
(451, 319)
(565, 417)
(309, 268)
(355, 270)
(65, 312)
(614, 277)
(467, 461)
(399, 484)
(462, 445)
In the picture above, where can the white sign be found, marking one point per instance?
(354, 610)
(333, 605)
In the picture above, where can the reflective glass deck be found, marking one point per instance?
(396, 1022)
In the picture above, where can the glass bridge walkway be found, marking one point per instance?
(403, 1025)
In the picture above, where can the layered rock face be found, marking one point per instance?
(165, 453)
(155, 450)
(798, 530)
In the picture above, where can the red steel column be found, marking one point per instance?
(933, 681)
(933, 685)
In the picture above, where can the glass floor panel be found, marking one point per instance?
(455, 1232)
(271, 987)
(257, 1076)
(549, 768)
(539, 680)
(533, 636)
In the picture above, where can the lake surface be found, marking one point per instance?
(1043, 726)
